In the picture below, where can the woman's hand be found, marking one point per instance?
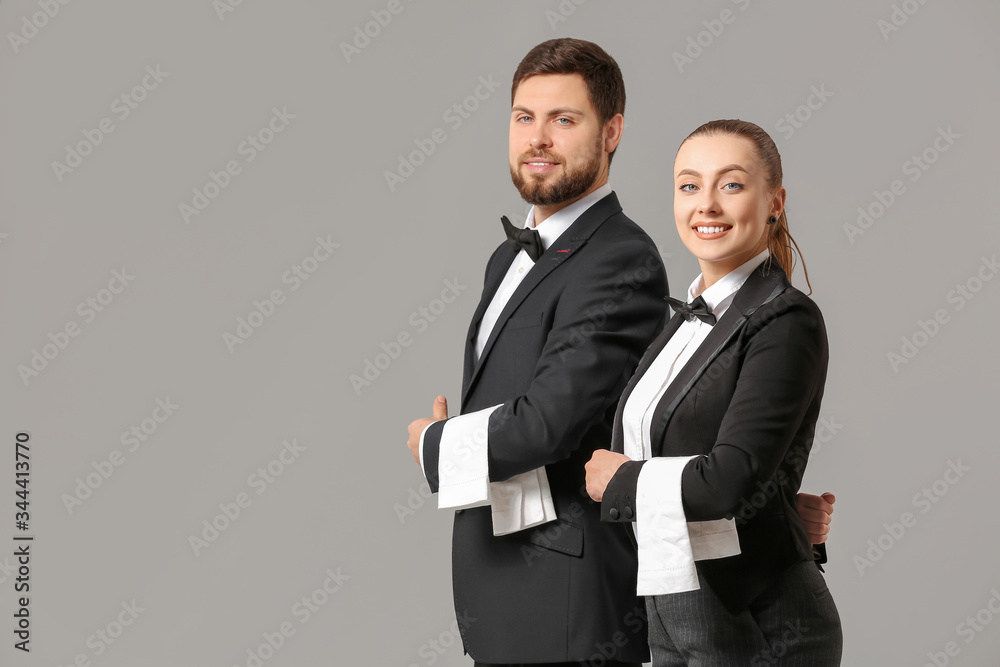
(601, 467)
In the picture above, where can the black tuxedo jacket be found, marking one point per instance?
(747, 403)
(557, 359)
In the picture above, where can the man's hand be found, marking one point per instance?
(817, 514)
(601, 467)
(416, 427)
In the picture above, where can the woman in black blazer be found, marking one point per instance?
(713, 432)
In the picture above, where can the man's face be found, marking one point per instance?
(557, 145)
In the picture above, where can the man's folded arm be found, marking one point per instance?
(429, 454)
(602, 325)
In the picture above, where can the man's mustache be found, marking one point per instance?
(540, 155)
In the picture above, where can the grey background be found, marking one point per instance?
(339, 505)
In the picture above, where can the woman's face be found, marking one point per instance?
(722, 202)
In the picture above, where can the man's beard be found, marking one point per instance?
(571, 185)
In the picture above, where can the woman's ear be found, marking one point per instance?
(778, 202)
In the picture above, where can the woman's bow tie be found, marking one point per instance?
(697, 308)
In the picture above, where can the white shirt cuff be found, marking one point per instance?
(420, 451)
(463, 461)
(523, 501)
(668, 544)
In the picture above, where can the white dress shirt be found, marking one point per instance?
(549, 229)
(524, 500)
(668, 544)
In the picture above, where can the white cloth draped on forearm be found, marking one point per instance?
(517, 503)
(669, 544)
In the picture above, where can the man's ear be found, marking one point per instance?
(613, 132)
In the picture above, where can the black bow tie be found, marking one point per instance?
(697, 308)
(528, 239)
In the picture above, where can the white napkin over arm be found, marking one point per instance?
(668, 544)
(521, 502)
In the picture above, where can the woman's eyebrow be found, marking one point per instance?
(727, 168)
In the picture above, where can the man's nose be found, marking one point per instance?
(541, 137)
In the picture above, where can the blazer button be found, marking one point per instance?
(613, 513)
(628, 513)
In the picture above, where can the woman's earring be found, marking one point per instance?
(772, 220)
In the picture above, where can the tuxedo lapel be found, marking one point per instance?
(542, 268)
(648, 357)
(765, 283)
(505, 255)
(567, 245)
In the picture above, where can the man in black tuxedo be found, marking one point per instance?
(569, 305)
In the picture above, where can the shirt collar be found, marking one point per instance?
(720, 294)
(553, 226)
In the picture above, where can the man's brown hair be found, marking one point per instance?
(576, 56)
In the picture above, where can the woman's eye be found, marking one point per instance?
(684, 188)
(736, 186)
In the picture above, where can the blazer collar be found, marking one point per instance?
(648, 357)
(765, 283)
(567, 245)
